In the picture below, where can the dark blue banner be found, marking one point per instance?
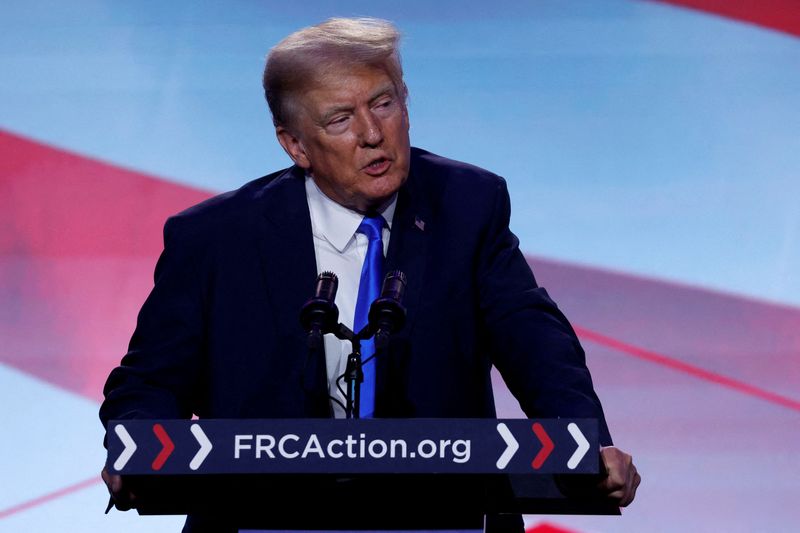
(368, 446)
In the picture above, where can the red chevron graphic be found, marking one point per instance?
(547, 446)
(167, 446)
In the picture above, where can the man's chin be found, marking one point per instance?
(382, 197)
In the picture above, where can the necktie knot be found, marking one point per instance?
(372, 227)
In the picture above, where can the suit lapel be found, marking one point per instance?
(411, 230)
(287, 252)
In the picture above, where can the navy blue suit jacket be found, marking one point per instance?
(219, 336)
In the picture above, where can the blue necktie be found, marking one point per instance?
(368, 291)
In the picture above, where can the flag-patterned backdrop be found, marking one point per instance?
(652, 151)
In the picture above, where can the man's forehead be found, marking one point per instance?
(347, 82)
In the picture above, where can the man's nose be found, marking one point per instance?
(370, 130)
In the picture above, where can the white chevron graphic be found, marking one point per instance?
(205, 447)
(511, 446)
(130, 447)
(580, 451)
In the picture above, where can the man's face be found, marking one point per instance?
(350, 131)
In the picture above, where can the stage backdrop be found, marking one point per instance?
(652, 151)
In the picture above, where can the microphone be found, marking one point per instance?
(387, 314)
(320, 315)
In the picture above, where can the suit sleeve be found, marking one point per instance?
(533, 344)
(158, 377)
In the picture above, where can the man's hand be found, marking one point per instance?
(622, 480)
(123, 498)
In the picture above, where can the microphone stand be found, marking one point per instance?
(386, 314)
(353, 373)
(354, 376)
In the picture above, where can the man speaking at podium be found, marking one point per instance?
(219, 335)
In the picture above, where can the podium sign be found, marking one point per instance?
(365, 446)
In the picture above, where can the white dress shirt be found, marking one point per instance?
(339, 249)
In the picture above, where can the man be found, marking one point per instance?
(219, 336)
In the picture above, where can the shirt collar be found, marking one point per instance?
(334, 222)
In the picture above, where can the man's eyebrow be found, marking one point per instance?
(326, 116)
(384, 90)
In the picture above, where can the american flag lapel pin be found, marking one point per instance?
(419, 223)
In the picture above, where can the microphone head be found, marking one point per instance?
(387, 314)
(320, 314)
(327, 285)
(394, 285)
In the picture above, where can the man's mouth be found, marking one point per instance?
(377, 166)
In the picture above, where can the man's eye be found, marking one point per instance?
(338, 120)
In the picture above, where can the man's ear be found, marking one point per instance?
(293, 146)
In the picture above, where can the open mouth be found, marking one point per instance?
(377, 166)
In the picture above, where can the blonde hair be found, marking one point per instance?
(310, 54)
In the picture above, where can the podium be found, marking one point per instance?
(368, 474)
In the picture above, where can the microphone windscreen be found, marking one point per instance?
(327, 285)
(394, 285)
